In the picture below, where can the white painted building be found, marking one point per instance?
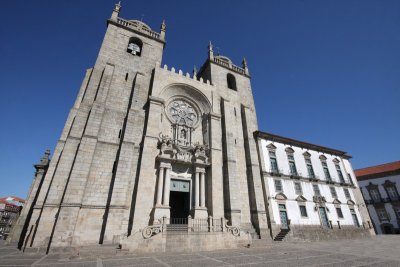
(380, 188)
(309, 186)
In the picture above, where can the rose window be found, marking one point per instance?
(182, 113)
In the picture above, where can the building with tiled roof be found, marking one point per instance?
(10, 208)
(380, 188)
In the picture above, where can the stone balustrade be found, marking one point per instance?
(138, 27)
(230, 66)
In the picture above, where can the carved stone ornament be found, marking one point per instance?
(181, 112)
(301, 198)
(280, 196)
(234, 230)
(319, 199)
(172, 151)
(151, 230)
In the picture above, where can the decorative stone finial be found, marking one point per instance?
(194, 71)
(162, 30)
(116, 10)
(44, 161)
(244, 66)
(210, 51)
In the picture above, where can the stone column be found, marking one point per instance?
(202, 190)
(200, 210)
(160, 185)
(196, 189)
(167, 185)
(161, 209)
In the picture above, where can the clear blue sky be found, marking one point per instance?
(326, 72)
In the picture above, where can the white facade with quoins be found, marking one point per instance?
(148, 150)
(309, 186)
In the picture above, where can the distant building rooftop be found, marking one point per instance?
(378, 171)
(12, 200)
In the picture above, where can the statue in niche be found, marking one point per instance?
(183, 134)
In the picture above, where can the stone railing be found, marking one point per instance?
(190, 225)
(229, 65)
(138, 27)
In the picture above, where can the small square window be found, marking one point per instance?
(316, 190)
(303, 211)
(297, 188)
(333, 192)
(278, 186)
(347, 193)
(382, 214)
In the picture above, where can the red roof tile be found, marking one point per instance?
(378, 170)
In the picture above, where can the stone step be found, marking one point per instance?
(281, 235)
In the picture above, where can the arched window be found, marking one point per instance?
(231, 81)
(135, 46)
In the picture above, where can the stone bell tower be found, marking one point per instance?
(233, 100)
(86, 195)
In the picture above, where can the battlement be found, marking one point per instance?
(192, 77)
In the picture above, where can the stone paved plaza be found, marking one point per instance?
(376, 251)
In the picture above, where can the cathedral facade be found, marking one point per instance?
(148, 150)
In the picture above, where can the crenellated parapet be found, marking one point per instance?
(192, 77)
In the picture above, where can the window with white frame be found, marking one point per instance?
(303, 211)
(316, 190)
(273, 161)
(278, 186)
(339, 212)
(391, 190)
(325, 168)
(291, 161)
(339, 171)
(347, 193)
(350, 179)
(297, 188)
(374, 194)
(292, 164)
(333, 192)
(382, 214)
(310, 168)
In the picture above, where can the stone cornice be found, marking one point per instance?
(289, 141)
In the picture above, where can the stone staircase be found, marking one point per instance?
(282, 234)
